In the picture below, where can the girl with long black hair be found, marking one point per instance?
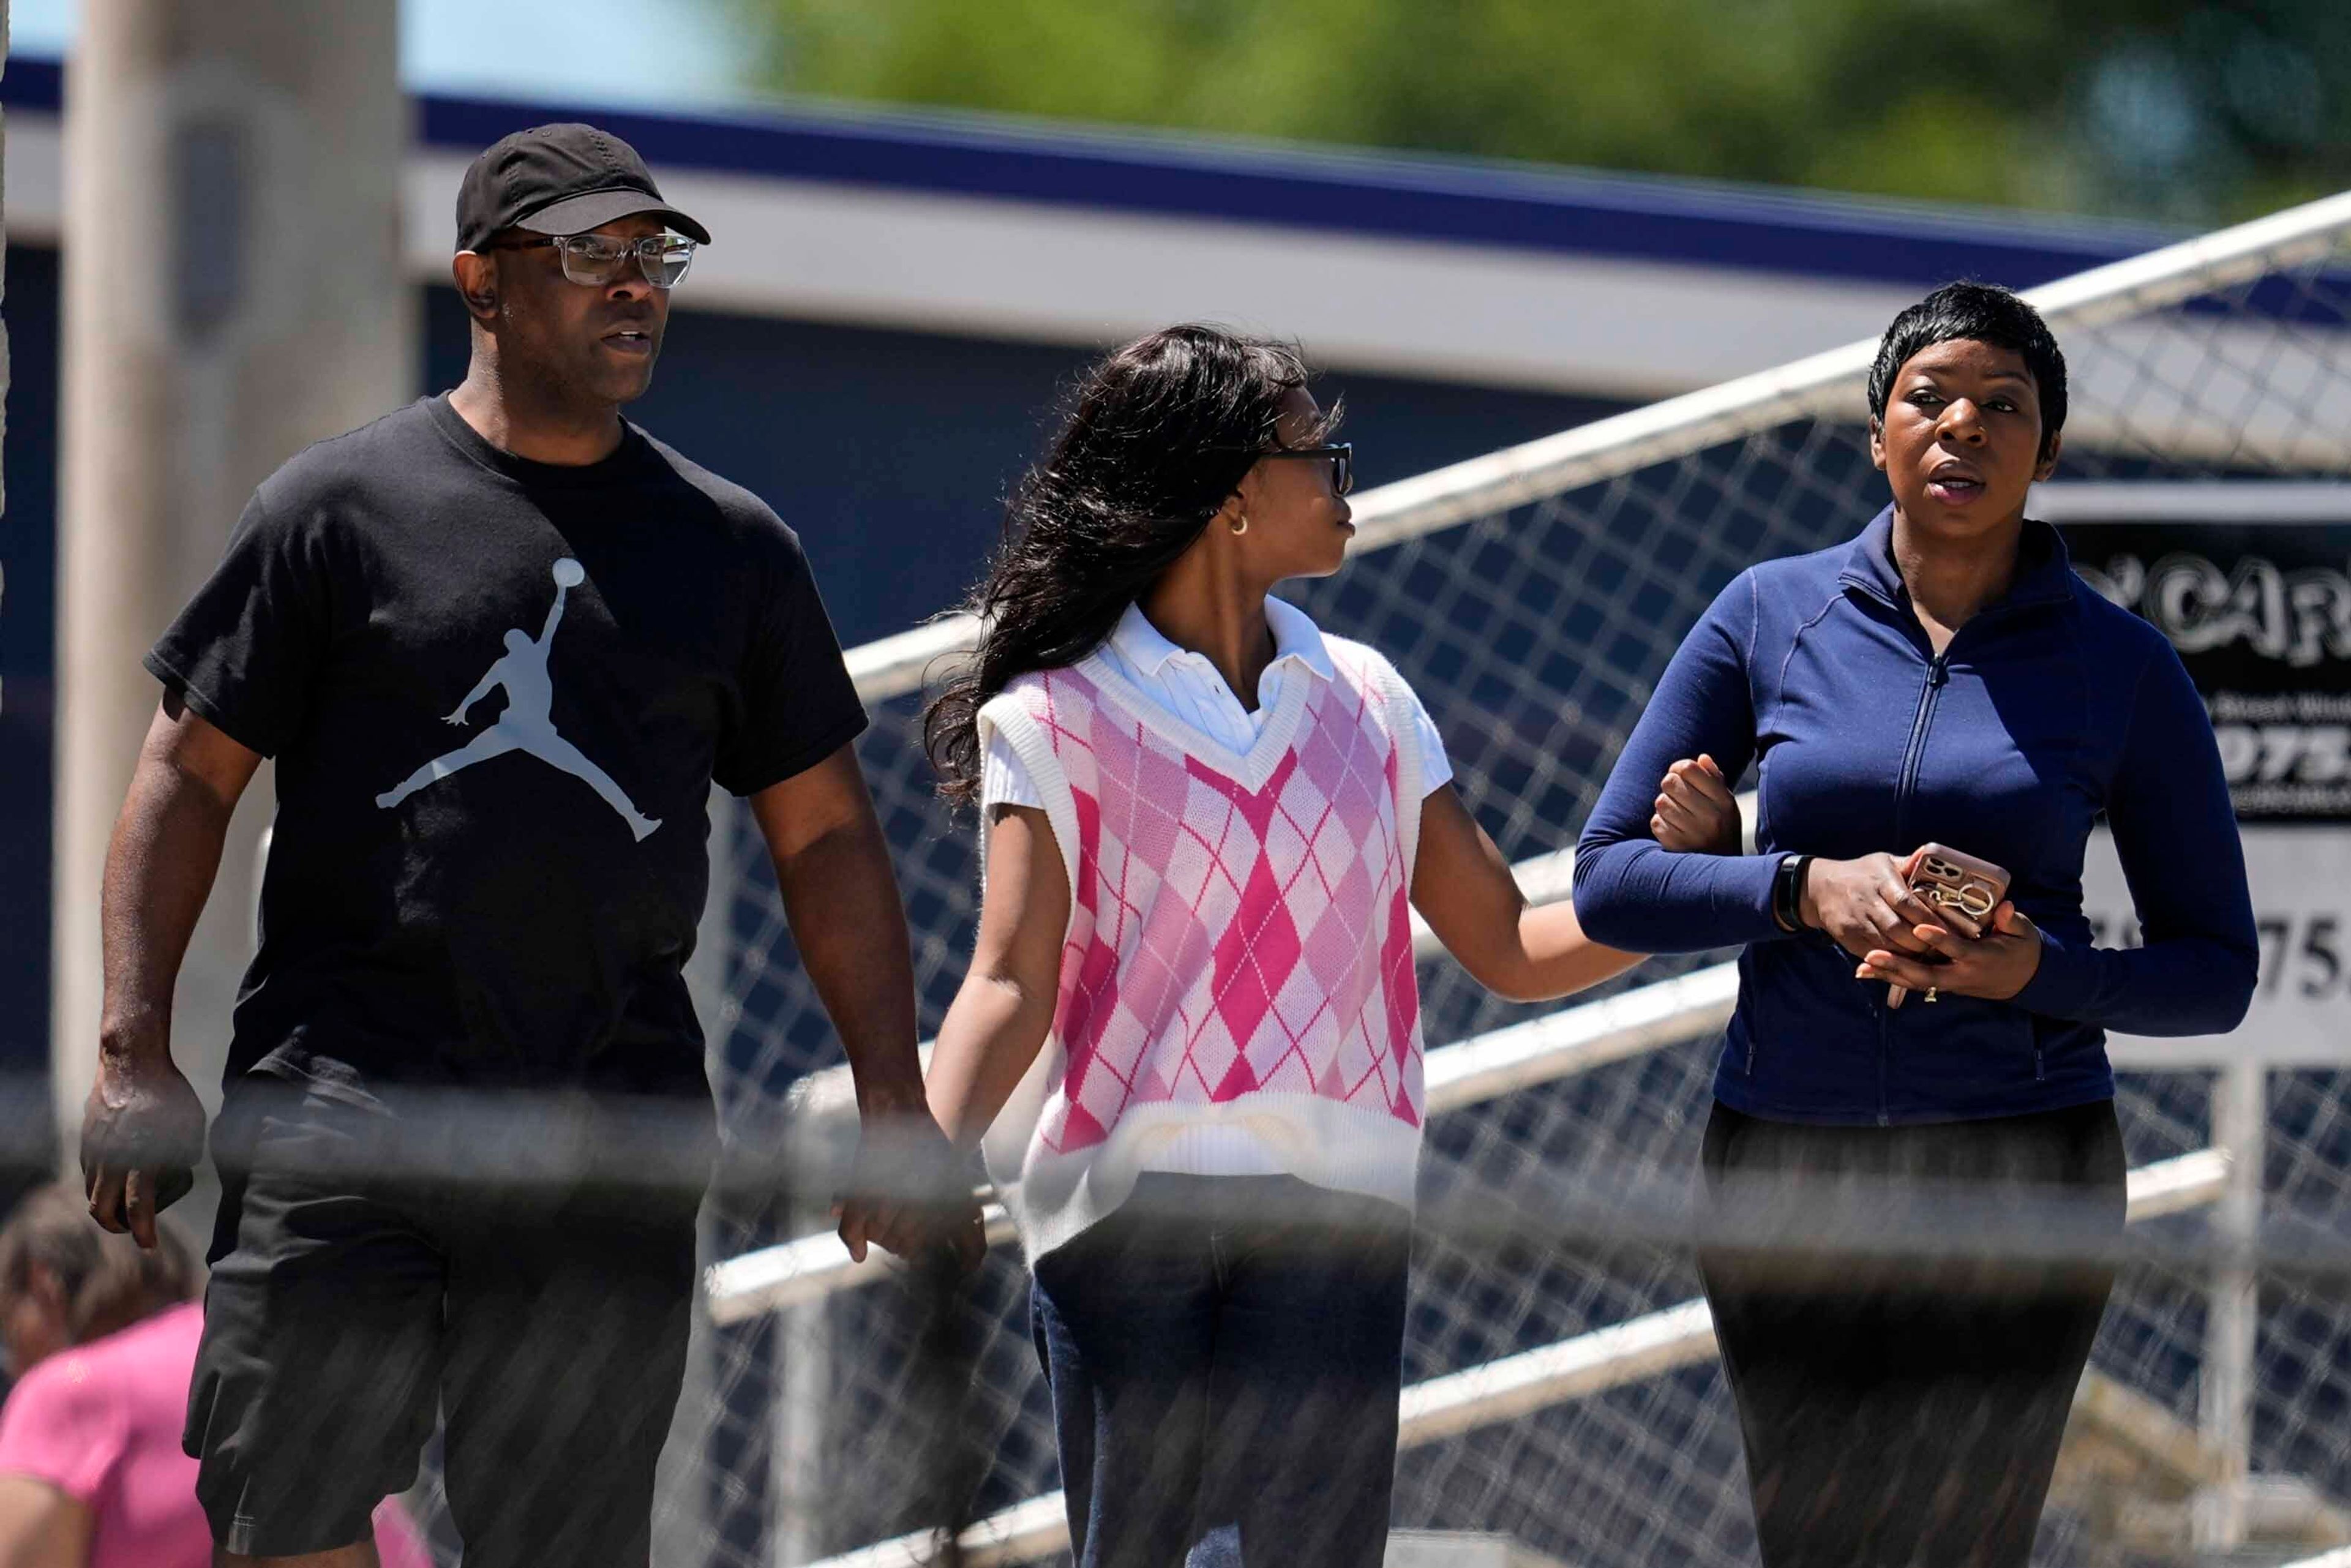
(1189, 1041)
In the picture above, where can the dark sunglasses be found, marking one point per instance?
(1342, 462)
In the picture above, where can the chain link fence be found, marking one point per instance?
(1562, 1387)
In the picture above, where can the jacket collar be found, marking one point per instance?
(2044, 570)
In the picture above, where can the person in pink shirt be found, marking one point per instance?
(101, 1336)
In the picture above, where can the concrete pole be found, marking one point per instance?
(233, 292)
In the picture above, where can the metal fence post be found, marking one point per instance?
(2225, 1389)
(803, 1351)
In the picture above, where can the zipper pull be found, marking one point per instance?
(1936, 670)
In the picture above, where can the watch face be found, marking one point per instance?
(1787, 893)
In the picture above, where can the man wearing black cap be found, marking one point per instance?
(500, 643)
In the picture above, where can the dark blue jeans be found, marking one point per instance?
(1226, 1355)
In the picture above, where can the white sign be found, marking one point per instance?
(2300, 1016)
(2248, 580)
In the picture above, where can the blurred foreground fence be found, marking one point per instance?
(1562, 1389)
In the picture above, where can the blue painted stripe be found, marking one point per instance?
(1458, 200)
(1522, 207)
(1399, 196)
(34, 84)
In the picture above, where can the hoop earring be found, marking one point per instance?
(1240, 526)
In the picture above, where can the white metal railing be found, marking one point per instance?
(1557, 1045)
(1603, 449)
(1514, 1386)
(1572, 1041)
(2338, 1558)
(1576, 1039)
(1639, 438)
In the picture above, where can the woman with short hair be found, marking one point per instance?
(1946, 678)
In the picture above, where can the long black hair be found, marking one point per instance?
(1159, 433)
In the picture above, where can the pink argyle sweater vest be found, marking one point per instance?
(1239, 948)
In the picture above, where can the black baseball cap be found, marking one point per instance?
(559, 180)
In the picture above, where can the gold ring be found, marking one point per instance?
(1931, 993)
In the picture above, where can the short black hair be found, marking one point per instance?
(1982, 313)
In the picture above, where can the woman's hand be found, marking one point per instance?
(1995, 965)
(1696, 813)
(1866, 905)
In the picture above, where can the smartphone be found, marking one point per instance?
(1961, 889)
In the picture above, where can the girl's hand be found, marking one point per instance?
(1995, 965)
(905, 1193)
(1004, 1008)
(1464, 889)
(1696, 811)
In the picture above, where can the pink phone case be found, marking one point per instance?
(1961, 889)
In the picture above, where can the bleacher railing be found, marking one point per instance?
(1532, 595)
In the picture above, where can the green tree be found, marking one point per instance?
(2172, 109)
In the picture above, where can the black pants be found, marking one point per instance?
(1906, 1412)
(545, 1321)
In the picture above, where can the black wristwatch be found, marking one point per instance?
(1788, 893)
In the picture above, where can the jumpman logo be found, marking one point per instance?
(525, 726)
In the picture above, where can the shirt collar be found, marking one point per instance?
(1295, 636)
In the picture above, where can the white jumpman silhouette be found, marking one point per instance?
(525, 726)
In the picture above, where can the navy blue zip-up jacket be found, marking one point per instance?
(2048, 708)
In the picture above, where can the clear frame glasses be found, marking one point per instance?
(598, 261)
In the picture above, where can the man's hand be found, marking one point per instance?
(840, 896)
(1995, 965)
(1865, 905)
(1696, 811)
(142, 1130)
(142, 1133)
(905, 1193)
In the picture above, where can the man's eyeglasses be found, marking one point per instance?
(1342, 456)
(599, 260)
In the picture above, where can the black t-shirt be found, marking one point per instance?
(498, 692)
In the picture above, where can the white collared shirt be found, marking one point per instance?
(1187, 687)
